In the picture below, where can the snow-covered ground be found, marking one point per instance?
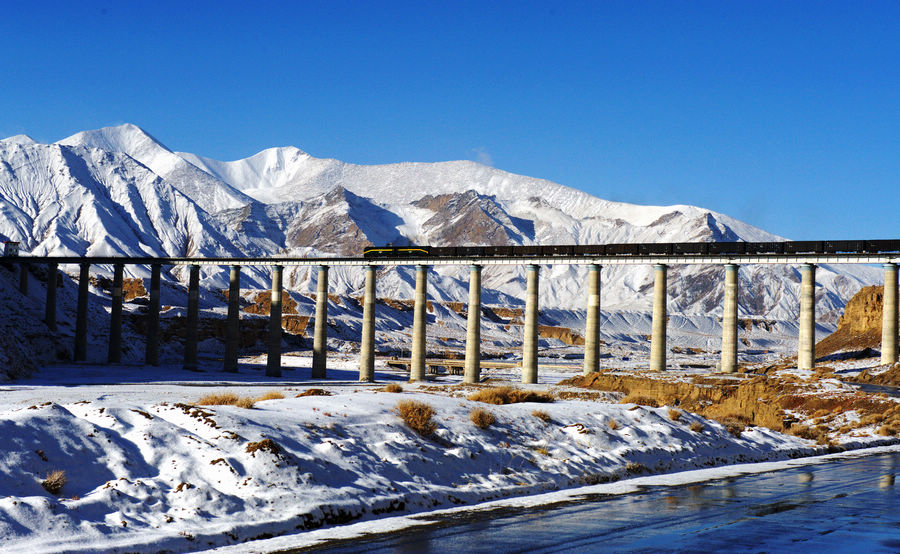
(147, 468)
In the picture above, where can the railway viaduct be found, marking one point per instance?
(730, 263)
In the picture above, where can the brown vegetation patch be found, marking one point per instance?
(271, 395)
(542, 415)
(509, 395)
(265, 445)
(417, 416)
(572, 395)
(314, 392)
(890, 377)
(482, 418)
(393, 387)
(226, 399)
(674, 415)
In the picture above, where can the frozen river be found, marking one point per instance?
(849, 506)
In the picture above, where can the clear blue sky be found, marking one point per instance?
(783, 114)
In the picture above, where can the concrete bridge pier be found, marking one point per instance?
(417, 363)
(728, 363)
(151, 354)
(23, 278)
(660, 317)
(472, 372)
(530, 331)
(320, 338)
(193, 319)
(367, 343)
(806, 355)
(273, 363)
(81, 317)
(889, 316)
(115, 316)
(592, 324)
(50, 305)
(233, 321)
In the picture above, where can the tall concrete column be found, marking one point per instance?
(660, 316)
(367, 343)
(728, 363)
(115, 316)
(191, 334)
(50, 306)
(417, 364)
(530, 332)
(23, 278)
(889, 316)
(592, 323)
(472, 372)
(273, 364)
(806, 355)
(320, 338)
(233, 322)
(151, 354)
(81, 318)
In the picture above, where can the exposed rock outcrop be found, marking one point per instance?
(859, 327)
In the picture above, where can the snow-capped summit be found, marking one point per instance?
(210, 193)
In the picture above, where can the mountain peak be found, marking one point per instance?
(125, 138)
(19, 139)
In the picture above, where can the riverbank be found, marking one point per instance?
(149, 468)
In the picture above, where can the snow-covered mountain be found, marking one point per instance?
(118, 191)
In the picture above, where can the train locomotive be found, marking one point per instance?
(631, 249)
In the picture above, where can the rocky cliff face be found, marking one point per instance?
(860, 325)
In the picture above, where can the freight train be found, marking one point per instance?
(650, 249)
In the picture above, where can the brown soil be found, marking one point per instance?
(564, 334)
(262, 303)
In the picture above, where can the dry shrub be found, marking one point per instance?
(314, 392)
(612, 424)
(888, 430)
(393, 387)
(265, 445)
(55, 481)
(482, 418)
(509, 395)
(634, 467)
(674, 415)
(417, 416)
(271, 395)
(808, 432)
(635, 398)
(542, 450)
(226, 399)
(734, 425)
(542, 415)
(697, 427)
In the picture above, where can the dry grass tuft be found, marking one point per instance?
(314, 392)
(417, 416)
(542, 450)
(697, 427)
(393, 387)
(55, 481)
(734, 425)
(635, 398)
(226, 399)
(674, 415)
(612, 424)
(482, 418)
(265, 445)
(271, 395)
(542, 415)
(509, 395)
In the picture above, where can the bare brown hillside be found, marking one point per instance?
(859, 327)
